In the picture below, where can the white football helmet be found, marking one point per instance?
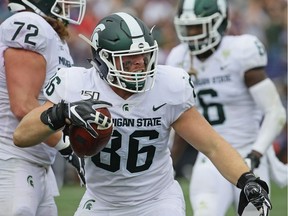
(209, 15)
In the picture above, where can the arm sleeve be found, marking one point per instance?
(267, 98)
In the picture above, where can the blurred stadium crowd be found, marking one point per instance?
(267, 19)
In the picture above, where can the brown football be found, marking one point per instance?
(84, 144)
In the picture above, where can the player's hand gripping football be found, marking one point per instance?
(255, 191)
(80, 113)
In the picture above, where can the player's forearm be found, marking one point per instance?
(236, 166)
(31, 131)
(191, 126)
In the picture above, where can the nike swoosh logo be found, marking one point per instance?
(73, 110)
(158, 107)
(223, 67)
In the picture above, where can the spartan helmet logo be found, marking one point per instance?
(95, 36)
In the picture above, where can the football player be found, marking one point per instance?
(133, 174)
(233, 94)
(32, 48)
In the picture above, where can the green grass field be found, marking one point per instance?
(70, 196)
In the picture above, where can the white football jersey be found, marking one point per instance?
(222, 96)
(135, 165)
(27, 30)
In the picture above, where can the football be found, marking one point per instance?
(84, 144)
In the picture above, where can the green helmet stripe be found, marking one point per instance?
(188, 6)
(136, 31)
(222, 7)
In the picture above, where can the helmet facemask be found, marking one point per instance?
(204, 41)
(119, 74)
(72, 11)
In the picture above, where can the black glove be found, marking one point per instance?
(80, 113)
(252, 160)
(255, 191)
(76, 162)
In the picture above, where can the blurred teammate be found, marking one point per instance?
(233, 94)
(133, 174)
(32, 48)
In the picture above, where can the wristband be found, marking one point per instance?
(61, 144)
(245, 178)
(54, 117)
